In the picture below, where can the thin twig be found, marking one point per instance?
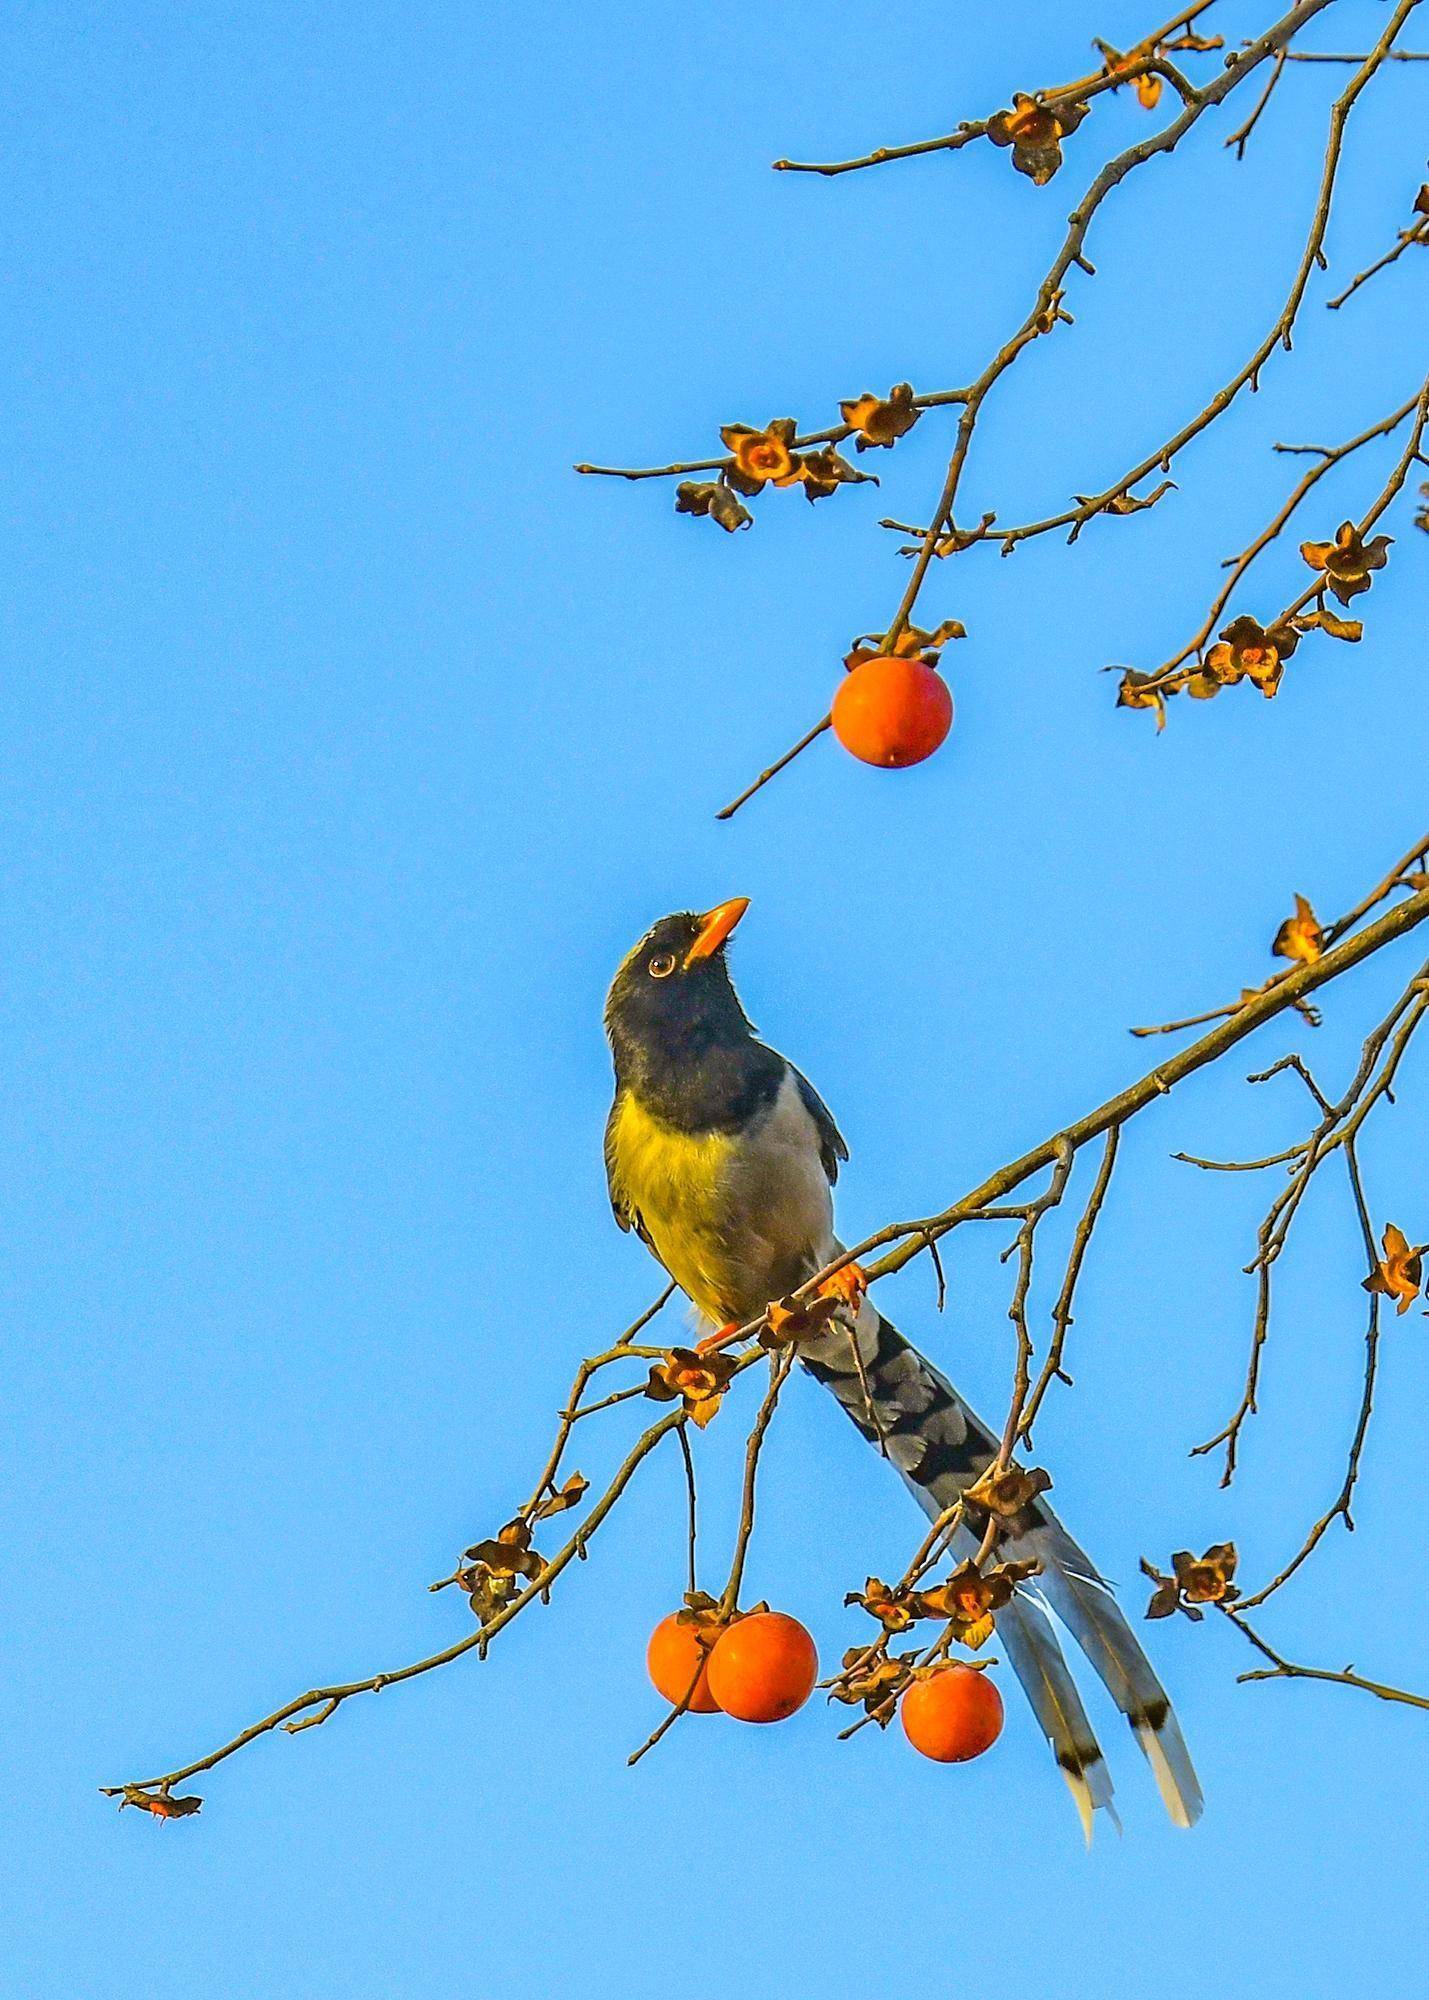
(1281, 1669)
(1062, 1312)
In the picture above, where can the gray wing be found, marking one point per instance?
(832, 1145)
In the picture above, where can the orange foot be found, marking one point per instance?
(847, 1285)
(714, 1341)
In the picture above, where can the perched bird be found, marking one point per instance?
(722, 1158)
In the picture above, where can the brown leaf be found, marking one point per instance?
(970, 1596)
(760, 456)
(697, 1377)
(1136, 690)
(1347, 560)
(823, 472)
(509, 1552)
(1300, 937)
(1128, 503)
(1326, 621)
(1035, 130)
(569, 1495)
(1007, 1493)
(790, 1319)
(719, 501)
(160, 1804)
(881, 420)
(1206, 1579)
(1400, 1272)
(877, 1684)
(895, 1610)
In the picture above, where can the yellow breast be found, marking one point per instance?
(674, 1182)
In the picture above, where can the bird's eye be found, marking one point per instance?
(662, 965)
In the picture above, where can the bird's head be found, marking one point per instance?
(673, 993)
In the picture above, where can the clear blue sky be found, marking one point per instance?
(348, 740)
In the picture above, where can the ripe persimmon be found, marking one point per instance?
(892, 712)
(678, 1654)
(953, 1714)
(763, 1667)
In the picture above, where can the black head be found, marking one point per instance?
(673, 997)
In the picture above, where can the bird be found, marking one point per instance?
(722, 1157)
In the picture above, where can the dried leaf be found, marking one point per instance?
(569, 1495)
(1206, 1579)
(509, 1552)
(788, 1320)
(895, 1610)
(720, 502)
(1009, 1492)
(160, 1804)
(1347, 561)
(881, 420)
(1300, 937)
(696, 1377)
(1035, 130)
(1400, 1273)
(823, 472)
(1136, 690)
(1128, 503)
(760, 456)
(1334, 627)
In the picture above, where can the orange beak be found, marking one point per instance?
(715, 926)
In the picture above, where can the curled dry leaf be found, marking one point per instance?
(1346, 562)
(881, 420)
(1195, 1580)
(1035, 131)
(970, 1596)
(823, 472)
(876, 1684)
(894, 1609)
(487, 1590)
(720, 502)
(564, 1497)
(1008, 1493)
(508, 1552)
(697, 1379)
(160, 1804)
(1128, 503)
(1147, 83)
(1137, 690)
(1300, 937)
(1248, 650)
(1399, 1274)
(912, 643)
(760, 456)
(1324, 620)
(788, 1320)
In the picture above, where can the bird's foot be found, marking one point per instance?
(848, 1285)
(712, 1342)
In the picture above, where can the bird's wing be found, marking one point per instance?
(625, 1214)
(833, 1147)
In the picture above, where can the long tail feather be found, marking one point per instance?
(1085, 1605)
(1026, 1634)
(911, 1413)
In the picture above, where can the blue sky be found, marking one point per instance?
(348, 741)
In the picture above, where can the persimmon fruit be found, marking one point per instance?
(892, 712)
(763, 1667)
(674, 1657)
(953, 1715)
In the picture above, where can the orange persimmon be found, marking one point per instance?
(677, 1655)
(952, 1715)
(763, 1667)
(892, 712)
